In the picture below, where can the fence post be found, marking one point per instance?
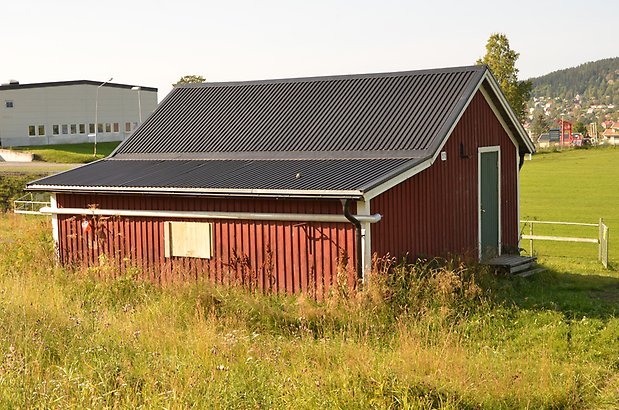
(531, 237)
(600, 238)
(605, 250)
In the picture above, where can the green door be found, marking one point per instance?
(489, 204)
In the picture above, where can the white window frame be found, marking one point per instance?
(188, 239)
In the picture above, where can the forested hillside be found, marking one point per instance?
(596, 81)
(583, 95)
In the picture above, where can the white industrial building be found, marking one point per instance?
(66, 112)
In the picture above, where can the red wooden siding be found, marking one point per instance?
(434, 213)
(288, 257)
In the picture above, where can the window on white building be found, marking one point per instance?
(82, 128)
(32, 130)
(65, 129)
(108, 127)
(8, 104)
(41, 129)
(73, 128)
(55, 129)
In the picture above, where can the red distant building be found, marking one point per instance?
(281, 184)
(567, 138)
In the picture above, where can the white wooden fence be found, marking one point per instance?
(601, 240)
(31, 203)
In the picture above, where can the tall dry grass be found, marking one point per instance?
(421, 336)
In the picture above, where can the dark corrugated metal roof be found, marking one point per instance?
(275, 175)
(380, 112)
(349, 132)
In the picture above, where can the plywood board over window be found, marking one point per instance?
(188, 239)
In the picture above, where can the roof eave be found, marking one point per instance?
(212, 192)
(378, 186)
(527, 144)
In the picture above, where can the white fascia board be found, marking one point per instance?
(512, 116)
(398, 179)
(496, 112)
(353, 194)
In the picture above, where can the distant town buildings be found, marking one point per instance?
(71, 111)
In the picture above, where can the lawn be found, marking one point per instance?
(572, 186)
(70, 153)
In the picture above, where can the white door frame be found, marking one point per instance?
(480, 151)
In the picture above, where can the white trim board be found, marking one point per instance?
(364, 208)
(481, 150)
(398, 179)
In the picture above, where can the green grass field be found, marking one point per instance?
(429, 338)
(572, 186)
(70, 153)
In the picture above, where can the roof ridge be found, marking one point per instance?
(358, 76)
(275, 155)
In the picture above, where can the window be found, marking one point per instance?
(8, 103)
(82, 128)
(91, 128)
(127, 127)
(41, 129)
(55, 129)
(116, 127)
(73, 129)
(108, 127)
(189, 239)
(65, 129)
(31, 130)
(99, 128)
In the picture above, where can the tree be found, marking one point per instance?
(501, 60)
(580, 128)
(540, 124)
(187, 79)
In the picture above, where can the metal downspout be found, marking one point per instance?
(354, 221)
(521, 162)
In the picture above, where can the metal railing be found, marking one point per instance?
(601, 240)
(31, 204)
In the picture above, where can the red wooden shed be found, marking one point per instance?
(283, 184)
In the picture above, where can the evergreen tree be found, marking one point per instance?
(540, 124)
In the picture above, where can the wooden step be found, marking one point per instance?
(521, 267)
(529, 272)
(512, 264)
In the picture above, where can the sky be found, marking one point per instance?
(154, 43)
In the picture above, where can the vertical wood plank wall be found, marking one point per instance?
(287, 257)
(434, 213)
